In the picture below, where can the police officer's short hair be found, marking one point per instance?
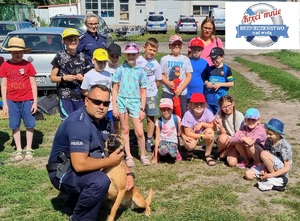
(100, 86)
(90, 15)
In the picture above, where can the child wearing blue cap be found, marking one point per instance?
(250, 139)
(277, 154)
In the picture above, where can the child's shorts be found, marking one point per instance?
(20, 110)
(132, 105)
(278, 164)
(151, 106)
(109, 115)
(167, 148)
(66, 107)
(214, 108)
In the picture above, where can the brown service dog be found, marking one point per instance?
(117, 192)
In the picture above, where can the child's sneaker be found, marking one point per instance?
(149, 145)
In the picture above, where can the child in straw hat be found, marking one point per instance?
(19, 95)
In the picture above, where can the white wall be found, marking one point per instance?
(46, 13)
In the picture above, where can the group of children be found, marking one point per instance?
(194, 105)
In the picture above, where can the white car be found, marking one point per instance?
(218, 14)
(156, 22)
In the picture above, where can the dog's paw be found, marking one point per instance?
(147, 211)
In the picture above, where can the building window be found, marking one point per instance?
(107, 8)
(92, 5)
(202, 10)
(140, 2)
(124, 12)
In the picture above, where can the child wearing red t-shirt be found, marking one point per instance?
(19, 95)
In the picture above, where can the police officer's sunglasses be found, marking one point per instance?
(99, 102)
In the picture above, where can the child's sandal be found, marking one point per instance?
(28, 155)
(18, 155)
(209, 160)
(130, 162)
(145, 161)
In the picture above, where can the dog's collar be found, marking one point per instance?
(131, 174)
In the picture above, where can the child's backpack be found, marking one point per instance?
(174, 116)
(48, 104)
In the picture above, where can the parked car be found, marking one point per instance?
(45, 42)
(186, 24)
(218, 14)
(156, 22)
(8, 26)
(77, 21)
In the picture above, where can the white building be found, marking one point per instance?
(133, 12)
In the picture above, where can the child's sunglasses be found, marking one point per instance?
(131, 46)
(99, 102)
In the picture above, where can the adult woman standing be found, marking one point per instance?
(91, 39)
(208, 31)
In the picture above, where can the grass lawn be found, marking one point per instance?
(182, 191)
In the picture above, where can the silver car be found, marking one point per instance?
(156, 22)
(186, 24)
(8, 26)
(45, 42)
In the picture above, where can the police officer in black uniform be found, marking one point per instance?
(91, 39)
(77, 156)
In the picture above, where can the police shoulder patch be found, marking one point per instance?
(82, 37)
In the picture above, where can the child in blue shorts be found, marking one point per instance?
(19, 95)
(129, 100)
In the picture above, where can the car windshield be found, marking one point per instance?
(69, 22)
(78, 23)
(39, 43)
(6, 28)
(188, 20)
(156, 18)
